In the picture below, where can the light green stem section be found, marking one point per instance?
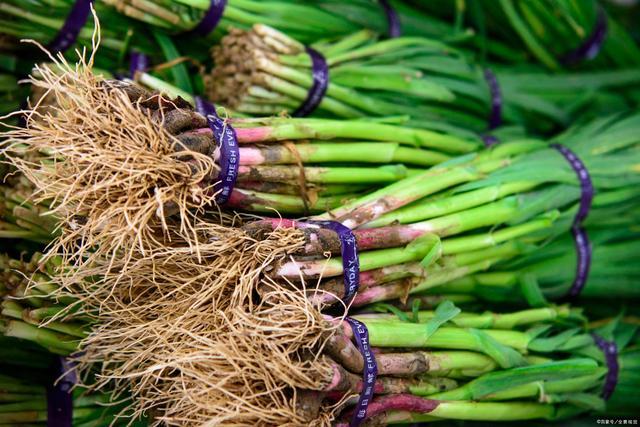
(484, 320)
(412, 335)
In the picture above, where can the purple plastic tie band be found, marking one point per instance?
(610, 350)
(585, 182)
(211, 18)
(138, 62)
(68, 34)
(59, 394)
(583, 248)
(495, 119)
(370, 372)
(592, 45)
(320, 73)
(583, 263)
(393, 20)
(349, 252)
(226, 139)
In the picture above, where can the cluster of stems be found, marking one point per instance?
(448, 364)
(265, 72)
(31, 312)
(20, 217)
(308, 21)
(28, 372)
(549, 30)
(461, 218)
(299, 166)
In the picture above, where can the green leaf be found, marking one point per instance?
(584, 400)
(444, 313)
(531, 290)
(625, 334)
(415, 310)
(568, 340)
(506, 357)
(553, 371)
(433, 255)
(538, 330)
(393, 78)
(622, 333)
(179, 72)
(383, 307)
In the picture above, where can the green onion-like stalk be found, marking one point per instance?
(42, 20)
(549, 29)
(24, 383)
(265, 72)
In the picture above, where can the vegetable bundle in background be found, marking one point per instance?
(43, 22)
(308, 21)
(557, 33)
(39, 329)
(60, 24)
(27, 377)
(31, 311)
(548, 272)
(265, 72)
(20, 217)
(68, 26)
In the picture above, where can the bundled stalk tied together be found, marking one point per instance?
(117, 163)
(112, 158)
(262, 71)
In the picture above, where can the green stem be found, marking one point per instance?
(57, 342)
(485, 320)
(424, 249)
(410, 335)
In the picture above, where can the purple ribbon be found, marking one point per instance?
(369, 374)
(211, 18)
(392, 19)
(68, 34)
(138, 62)
(585, 182)
(350, 259)
(320, 73)
(226, 139)
(583, 263)
(592, 45)
(610, 350)
(583, 248)
(59, 394)
(495, 119)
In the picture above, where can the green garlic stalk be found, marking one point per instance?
(265, 72)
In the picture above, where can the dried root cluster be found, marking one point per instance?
(115, 160)
(185, 334)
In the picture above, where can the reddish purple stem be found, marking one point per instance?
(395, 402)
